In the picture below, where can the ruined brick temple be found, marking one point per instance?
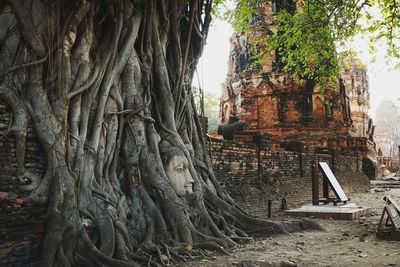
(387, 135)
(290, 116)
(355, 79)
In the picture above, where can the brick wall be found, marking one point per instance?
(253, 175)
(21, 226)
(236, 167)
(35, 159)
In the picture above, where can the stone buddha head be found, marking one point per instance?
(176, 168)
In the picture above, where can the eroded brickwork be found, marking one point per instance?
(387, 132)
(21, 224)
(35, 159)
(354, 75)
(270, 101)
(253, 174)
(295, 116)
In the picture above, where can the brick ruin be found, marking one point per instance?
(290, 116)
(270, 102)
(387, 135)
(21, 225)
(253, 174)
(355, 79)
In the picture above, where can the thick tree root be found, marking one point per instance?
(106, 86)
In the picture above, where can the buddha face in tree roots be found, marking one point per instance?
(176, 168)
(178, 173)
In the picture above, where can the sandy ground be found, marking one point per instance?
(344, 243)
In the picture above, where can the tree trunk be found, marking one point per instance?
(106, 85)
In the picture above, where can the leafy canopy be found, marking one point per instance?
(306, 40)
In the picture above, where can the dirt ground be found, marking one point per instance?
(344, 243)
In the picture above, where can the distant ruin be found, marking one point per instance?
(387, 135)
(355, 79)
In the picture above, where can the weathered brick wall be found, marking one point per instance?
(35, 159)
(236, 166)
(348, 169)
(21, 225)
(252, 175)
(280, 170)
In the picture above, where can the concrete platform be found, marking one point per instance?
(348, 211)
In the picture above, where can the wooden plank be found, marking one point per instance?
(314, 183)
(333, 181)
(394, 216)
(391, 200)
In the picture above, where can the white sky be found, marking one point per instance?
(383, 79)
(213, 66)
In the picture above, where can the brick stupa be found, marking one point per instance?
(287, 115)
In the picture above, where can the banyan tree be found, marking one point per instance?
(106, 84)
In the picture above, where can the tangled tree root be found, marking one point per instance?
(107, 87)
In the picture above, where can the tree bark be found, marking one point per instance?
(103, 82)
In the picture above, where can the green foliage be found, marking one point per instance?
(241, 15)
(306, 41)
(383, 23)
(349, 56)
(308, 52)
(211, 107)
